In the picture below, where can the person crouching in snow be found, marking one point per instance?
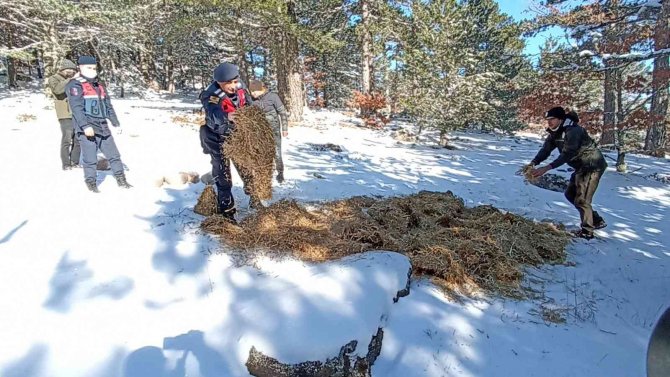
(277, 116)
(220, 100)
(579, 151)
(91, 107)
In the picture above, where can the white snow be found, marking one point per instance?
(124, 284)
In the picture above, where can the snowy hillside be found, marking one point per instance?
(124, 284)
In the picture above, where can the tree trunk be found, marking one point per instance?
(620, 134)
(40, 64)
(609, 115)
(657, 133)
(366, 48)
(11, 72)
(289, 77)
(169, 71)
(11, 62)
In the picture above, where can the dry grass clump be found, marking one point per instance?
(463, 248)
(26, 118)
(251, 147)
(527, 172)
(207, 202)
(194, 119)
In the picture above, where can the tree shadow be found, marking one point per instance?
(30, 365)
(70, 281)
(11, 233)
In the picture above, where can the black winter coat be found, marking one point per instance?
(577, 148)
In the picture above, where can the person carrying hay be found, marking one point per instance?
(580, 152)
(220, 100)
(277, 116)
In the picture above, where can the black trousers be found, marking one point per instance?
(212, 143)
(580, 191)
(70, 150)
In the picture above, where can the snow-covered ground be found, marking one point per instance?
(123, 284)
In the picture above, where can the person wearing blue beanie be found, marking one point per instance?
(220, 100)
(91, 108)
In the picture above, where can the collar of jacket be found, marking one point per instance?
(83, 79)
(564, 124)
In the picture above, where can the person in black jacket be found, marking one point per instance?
(91, 107)
(579, 151)
(220, 100)
(276, 114)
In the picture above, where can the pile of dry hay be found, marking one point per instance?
(207, 202)
(252, 148)
(465, 249)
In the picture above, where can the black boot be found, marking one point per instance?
(280, 176)
(92, 186)
(585, 234)
(121, 181)
(598, 222)
(229, 216)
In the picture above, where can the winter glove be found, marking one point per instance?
(88, 131)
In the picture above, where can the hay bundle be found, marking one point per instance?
(207, 202)
(463, 248)
(251, 146)
(527, 172)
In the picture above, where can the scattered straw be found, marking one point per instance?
(463, 248)
(26, 118)
(193, 119)
(252, 147)
(207, 203)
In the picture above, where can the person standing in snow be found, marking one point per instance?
(91, 107)
(69, 145)
(277, 116)
(579, 151)
(220, 100)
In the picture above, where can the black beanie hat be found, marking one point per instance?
(86, 60)
(555, 112)
(226, 72)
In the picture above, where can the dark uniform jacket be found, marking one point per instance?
(218, 105)
(577, 148)
(90, 105)
(274, 110)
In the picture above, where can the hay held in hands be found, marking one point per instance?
(463, 248)
(252, 147)
(527, 172)
(207, 202)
